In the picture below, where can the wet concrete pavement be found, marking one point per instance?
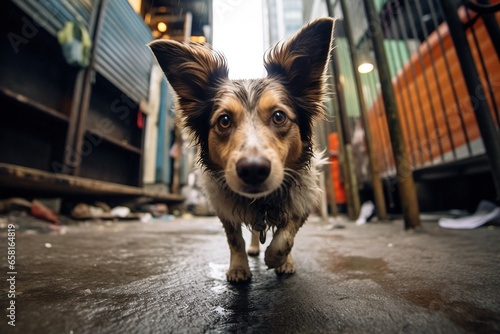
(169, 277)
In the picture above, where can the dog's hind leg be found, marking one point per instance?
(254, 248)
(239, 270)
(278, 253)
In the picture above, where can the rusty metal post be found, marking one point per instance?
(80, 95)
(331, 193)
(378, 190)
(346, 159)
(347, 163)
(489, 133)
(83, 108)
(406, 184)
(341, 149)
(333, 200)
(327, 170)
(321, 139)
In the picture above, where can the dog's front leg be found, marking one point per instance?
(278, 253)
(238, 268)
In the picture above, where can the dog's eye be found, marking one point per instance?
(279, 117)
(224, 121)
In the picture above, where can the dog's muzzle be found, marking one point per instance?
(253, 171)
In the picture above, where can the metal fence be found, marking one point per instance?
(437, 111)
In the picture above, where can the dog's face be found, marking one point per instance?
(252, 133)
(254, 136)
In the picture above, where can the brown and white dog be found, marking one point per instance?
(255, 137)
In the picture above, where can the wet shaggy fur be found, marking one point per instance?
(255, 137)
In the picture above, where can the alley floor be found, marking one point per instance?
(169, 277)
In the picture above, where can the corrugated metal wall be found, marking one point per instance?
(121, 54)
(122, 57)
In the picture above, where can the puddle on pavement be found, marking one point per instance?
(464, 314)
(356, 267)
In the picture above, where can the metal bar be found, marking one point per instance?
(483, 67)
(378, 190)
(68, 163)
(330, 127)
(87, 86)
(350, 180)
(491, 25)
(327, 170)
(332, 202)
(346, 159)
(406, 185)
(436, 79)
(411, 103)
(321, 139)
(421, 143)
(450, 78)
(321, 136)
(413, 28)
(73, 137)
(489, 133)
(377, 132)
(387, 153)
(383, 143)
(406, 122)
(392, 59)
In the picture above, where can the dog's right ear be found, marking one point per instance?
(194, 71)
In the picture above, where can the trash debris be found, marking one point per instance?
(75, 43)
(54, 204)
(166, 217)
(48, 245)
(156, 210)
(103, 206)
(336, 223)
(39, 210)
(48, 209)
(486, 212)
(435, 216)
(14, 203)
(366, 213)
(146, 217)
(120, 211)
(85, 211)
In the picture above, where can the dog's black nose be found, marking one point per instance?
(253, 170)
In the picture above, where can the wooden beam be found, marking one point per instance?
(18, 177)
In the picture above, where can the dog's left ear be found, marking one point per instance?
(301, 61)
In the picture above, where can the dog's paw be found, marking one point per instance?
(286, 268)
(253, 251)
(277, 252)
(238, 274)
(275, 258)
